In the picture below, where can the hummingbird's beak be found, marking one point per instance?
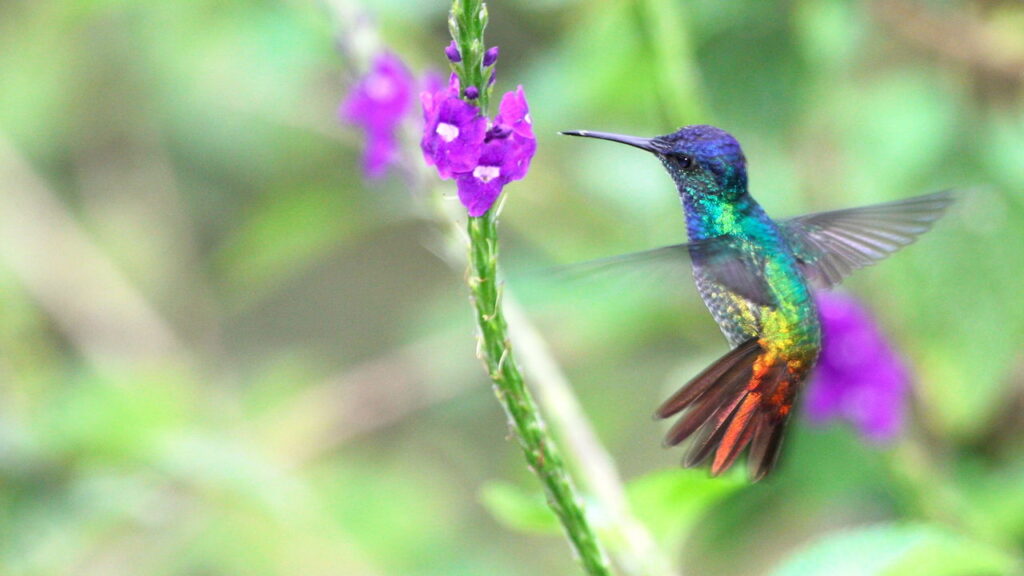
(649, 144)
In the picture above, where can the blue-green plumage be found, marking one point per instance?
(756, 276)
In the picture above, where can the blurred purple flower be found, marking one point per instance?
(380, 154)
(453, 131)
(377, 103)
(432, 81)
(859, 377)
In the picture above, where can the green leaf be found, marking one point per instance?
(519, 509)
(670, 502)
(894, 550)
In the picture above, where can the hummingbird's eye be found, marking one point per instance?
(684, 161)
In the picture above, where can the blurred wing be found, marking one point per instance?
(725, 262)
(831, 245)
(721, 258)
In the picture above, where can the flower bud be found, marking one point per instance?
(491, 56)
(452, 52)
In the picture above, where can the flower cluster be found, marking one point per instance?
(482, 155)
(859, 376)
(378, 103)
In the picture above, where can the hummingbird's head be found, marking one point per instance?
(701, 159)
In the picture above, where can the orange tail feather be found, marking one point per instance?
(743, 399)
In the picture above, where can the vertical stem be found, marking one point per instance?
(637, 550)
(467, 21)
(630, 545)
(542, 455)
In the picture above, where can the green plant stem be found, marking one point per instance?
(466, 22)
(541, 453)
(630, 545)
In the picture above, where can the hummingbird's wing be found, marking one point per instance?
(721, 258)
(831, 245)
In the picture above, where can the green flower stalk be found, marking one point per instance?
(483, 157)
(541, 453)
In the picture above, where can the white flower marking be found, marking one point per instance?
(486, 173)
(447, 132)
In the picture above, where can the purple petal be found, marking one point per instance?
(520, 153)
(453, 132)
(511, 154)
(380, 154)
(515, 113)
(382, 97)
(478, 190)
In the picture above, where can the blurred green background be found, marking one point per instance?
(222, 352)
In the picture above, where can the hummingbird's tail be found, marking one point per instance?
(742, 399)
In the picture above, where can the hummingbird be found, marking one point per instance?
(756, 276)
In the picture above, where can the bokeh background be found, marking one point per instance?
(223, 352)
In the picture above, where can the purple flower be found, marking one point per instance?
(453, 131)
(859, 376)
(377, 103)
(482, 157)
(505, 156)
